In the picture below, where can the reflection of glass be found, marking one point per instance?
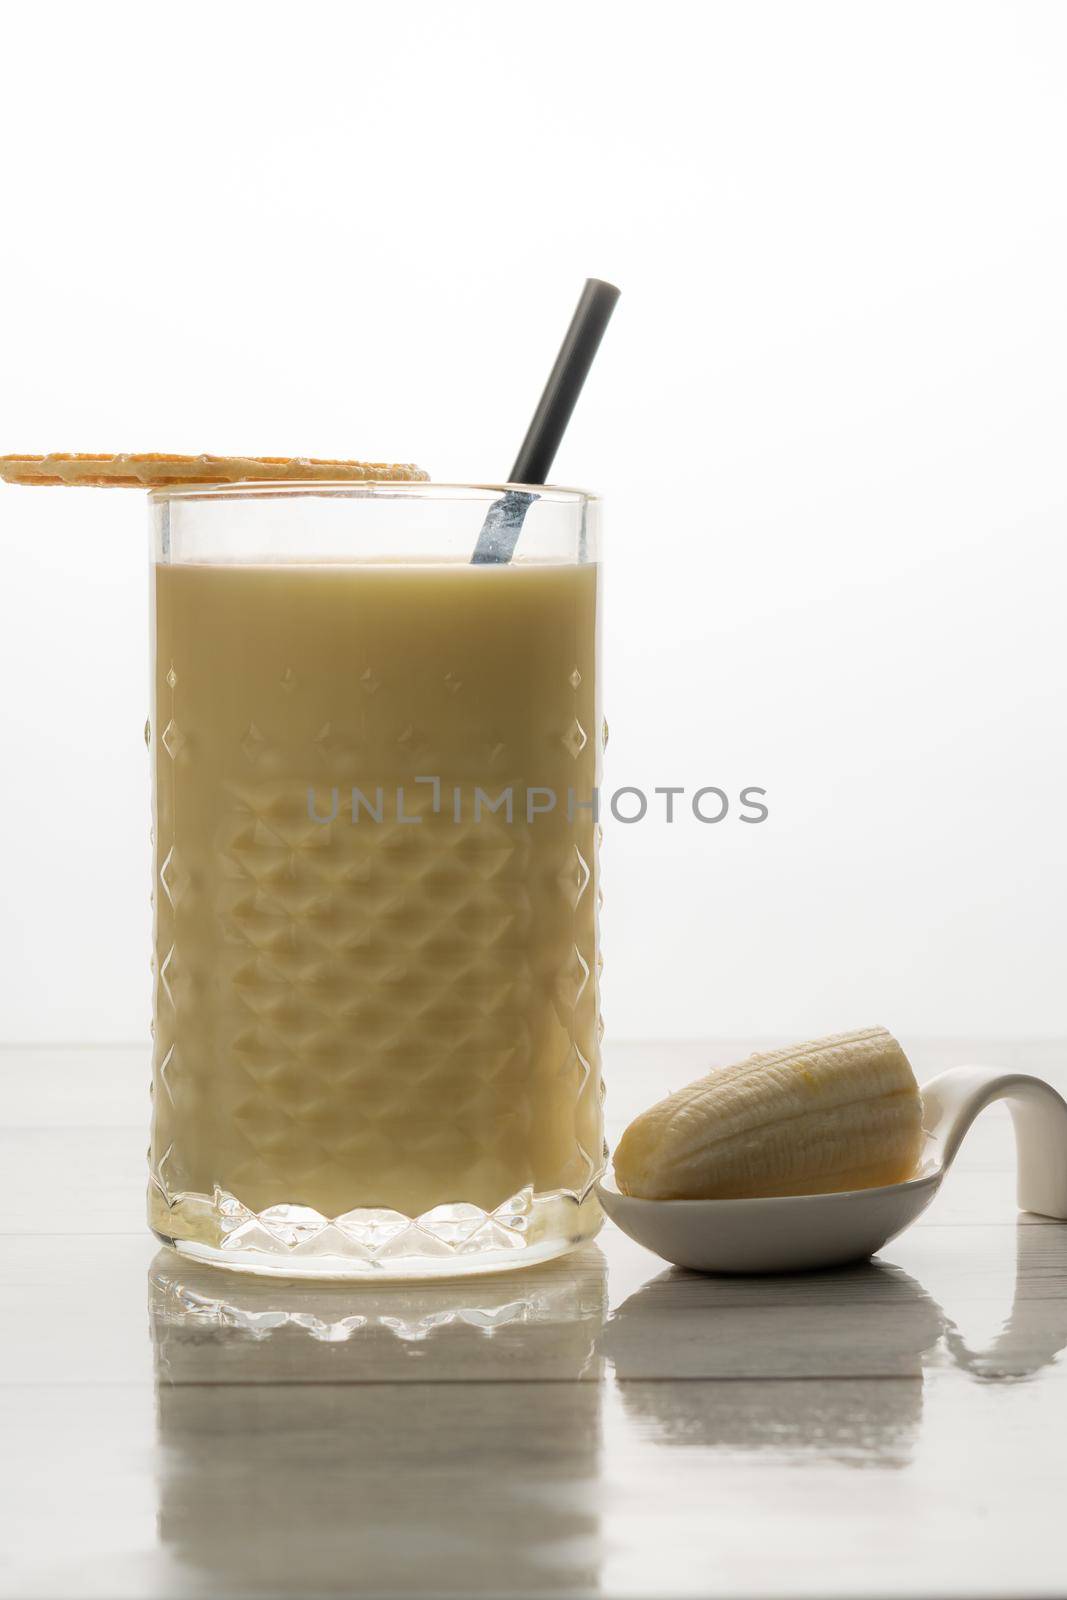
(376, 979)
(543, 1325)
(835, 1334)
(306, 1451)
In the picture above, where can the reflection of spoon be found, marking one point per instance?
(791, 1366)
(789, 1232)
(1036, 1331)
(826, 1364)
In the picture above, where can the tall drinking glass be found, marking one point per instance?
(376, 974)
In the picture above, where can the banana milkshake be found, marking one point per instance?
(376, 967)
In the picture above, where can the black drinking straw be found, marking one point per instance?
(505, 517)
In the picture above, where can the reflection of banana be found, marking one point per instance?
(839, 1113)
(868, 1321)
(790, 1365)
(846, 1330)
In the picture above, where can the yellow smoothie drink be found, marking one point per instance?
(376, 888)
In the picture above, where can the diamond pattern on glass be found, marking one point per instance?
(443, 917)
(412, 740)
(173, 740)
(164, 1174)
(571, 982)
(162, 1077)
(374, 1234)
(574, 879)
(323, 928)
(168, 973)
(292, 1225)
(174, 877)
(325, 741)
(578, 1062)
(575, 739)
(253, 743)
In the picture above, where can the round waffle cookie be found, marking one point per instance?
(155, 471)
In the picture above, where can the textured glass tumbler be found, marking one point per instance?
(376, 973)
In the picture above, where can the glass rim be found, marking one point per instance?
(368, 488)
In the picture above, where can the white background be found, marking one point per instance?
(829, 419)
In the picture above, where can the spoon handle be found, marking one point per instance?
(953, 1099)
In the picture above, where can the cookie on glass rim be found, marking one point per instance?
(156, 471)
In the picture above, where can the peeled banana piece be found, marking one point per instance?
(839, 1113)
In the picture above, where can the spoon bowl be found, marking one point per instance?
(788, 1233)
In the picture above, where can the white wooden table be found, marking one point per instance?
(601, 1426)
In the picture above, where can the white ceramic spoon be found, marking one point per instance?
(787, 1233)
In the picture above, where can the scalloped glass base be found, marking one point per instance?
(451, 1241)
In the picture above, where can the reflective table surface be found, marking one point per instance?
(603, 1425)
